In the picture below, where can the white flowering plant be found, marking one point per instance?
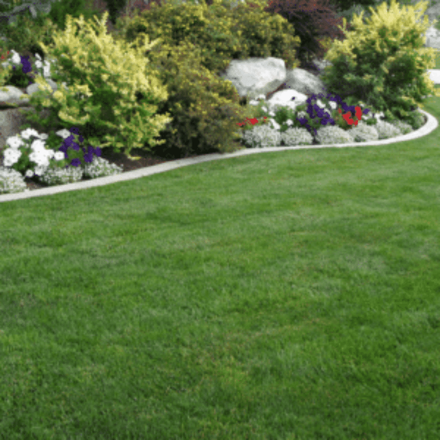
(19, 70)
(328, 112)
(27, 154)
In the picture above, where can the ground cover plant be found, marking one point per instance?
(284, 295)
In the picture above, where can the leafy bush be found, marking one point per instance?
(203, 121)
(115, 7)
(75, 8)
(263, 34)
(383, 63)
(205, 108)
(344, 5)
(221, 33)
(24, 35)
(121, 98)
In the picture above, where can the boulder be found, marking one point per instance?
(269, 77)
(432, 38)
(10, 121)
(32, 6)
(12, 96)
(11, 117)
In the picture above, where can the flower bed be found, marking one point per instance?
(328, 120)
(52, 161)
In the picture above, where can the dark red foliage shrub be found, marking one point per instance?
(312, 20)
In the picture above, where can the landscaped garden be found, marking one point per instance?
(283, 295)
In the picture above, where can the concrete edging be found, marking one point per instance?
(426, 129)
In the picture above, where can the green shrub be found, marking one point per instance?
(350, 4)
(264, 33)
(115, 7)
(205, 109)
(221, 33)
(383, 63)
(75, 8)
(24, 35)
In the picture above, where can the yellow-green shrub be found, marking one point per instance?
(106, 80)
(383, 63)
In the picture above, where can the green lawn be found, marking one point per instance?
(282, 295)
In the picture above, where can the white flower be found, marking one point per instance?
(59, 176)
(296, 136)
(387, 130)
(40, 156)
(332, 104)
(363, 132)
(262, 136)
(100, 167)
(11, 181)
(274, 124)
(46, 68)
(16, 57)
(331, 134)
(403, 127)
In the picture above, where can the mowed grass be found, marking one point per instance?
(281, 295)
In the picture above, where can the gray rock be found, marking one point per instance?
(11, 119)
(32, 6)
(10, 105)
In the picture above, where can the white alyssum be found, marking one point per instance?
(262, 136)
(258, 138)
(296, 136)
(363, 132)
(11, 181)
(332, 134)
(387, 130)
(403, 127)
